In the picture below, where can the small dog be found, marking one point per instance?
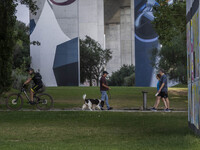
(91, 103)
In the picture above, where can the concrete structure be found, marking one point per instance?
(110, 22)
(130, 36)
(48, 32)
(119, 32)
(193, 63)
(91, 19)
(57, 22)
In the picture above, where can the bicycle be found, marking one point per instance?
(15, 101)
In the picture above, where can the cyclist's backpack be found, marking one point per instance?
(38, 76)
(37, 79)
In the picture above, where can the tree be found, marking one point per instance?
(7, 23)
(21, 53)
(92, 59)
(123, 77)
(170, 25)
(8, 38)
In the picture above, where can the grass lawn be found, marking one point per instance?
(95, 131)
(121, 97)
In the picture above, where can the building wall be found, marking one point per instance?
(113, 43)
(67, 18)
(51, 28)
(193, 64)
(145, 40)
(119, 33)
(133, 30)
(91, 20)
(126, 36)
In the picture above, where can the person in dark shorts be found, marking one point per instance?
(37, 80)
(163, 91)
(103, 89)
(158, 96)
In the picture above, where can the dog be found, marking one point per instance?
(91, 103)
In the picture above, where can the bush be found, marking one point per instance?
(118, 78)
(19, 76)
(130, 80)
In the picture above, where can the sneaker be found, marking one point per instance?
(167, 110)
(110, 108)
(153, 109)
(102, 109)
(32, 103)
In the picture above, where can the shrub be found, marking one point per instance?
(118, 78)
(19, 77)
(130, 80)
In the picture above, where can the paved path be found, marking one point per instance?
(114, 110)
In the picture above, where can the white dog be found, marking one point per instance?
(91, 103)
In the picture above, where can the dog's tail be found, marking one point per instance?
(84, 96)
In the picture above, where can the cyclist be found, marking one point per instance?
(38, 84)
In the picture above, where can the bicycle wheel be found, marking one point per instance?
(14, 101)
(44, 101)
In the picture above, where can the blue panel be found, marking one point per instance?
(65, 66)
(145, 40)
(32, 25)
(143, 68)
(67, 75)
(66, 53)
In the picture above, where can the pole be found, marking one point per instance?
(144, 100)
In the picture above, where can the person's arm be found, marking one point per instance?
(105, 86)
(161, 87)
(27, 81)
(163, 84)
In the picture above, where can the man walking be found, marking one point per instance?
(103, 89)
(163, 91)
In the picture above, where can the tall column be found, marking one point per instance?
(113, 43)
(91, 19)
(133, 30)
(126, 36)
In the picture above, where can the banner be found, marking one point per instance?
(145, 40)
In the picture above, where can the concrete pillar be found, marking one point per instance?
(113, 43)
(133, 30)
(91, 19)
(126, 36)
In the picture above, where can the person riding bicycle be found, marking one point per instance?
(38, 84)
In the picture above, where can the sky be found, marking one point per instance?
(23, 13)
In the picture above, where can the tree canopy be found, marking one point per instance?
(125, 76)
(8, 38)
(92, 59)
(170, 25)
(21, 54)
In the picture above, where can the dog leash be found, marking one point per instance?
(109, 95)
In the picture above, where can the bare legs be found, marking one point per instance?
(165, 101)
(31, 95)
(157, 102)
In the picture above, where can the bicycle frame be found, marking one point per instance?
(26, 95)
(24, 91)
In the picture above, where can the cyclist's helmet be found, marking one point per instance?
(29, 69)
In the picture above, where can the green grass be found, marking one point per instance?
(181, 85)
(95, 131)
(121, 97)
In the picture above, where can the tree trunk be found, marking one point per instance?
(90, 81)
(97, 80)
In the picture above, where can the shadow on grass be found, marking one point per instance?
(97, 131)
